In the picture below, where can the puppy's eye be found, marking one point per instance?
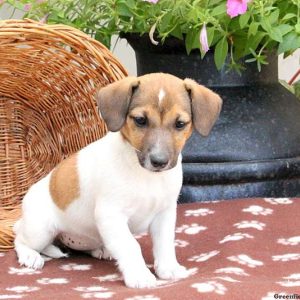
(140, 121)
(180, 124)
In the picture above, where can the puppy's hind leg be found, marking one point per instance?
(54, 252)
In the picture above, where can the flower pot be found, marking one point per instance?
(254, 148)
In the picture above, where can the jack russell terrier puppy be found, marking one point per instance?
(126, 183)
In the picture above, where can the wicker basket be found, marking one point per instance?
(48, 77)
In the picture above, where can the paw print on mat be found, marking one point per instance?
(232, 270)
(190, 229)
(286, 257)
(53, 281)
(23, 271)
(250, 224)
(210, 287)
(22, 289)
(181, 243)
(236, 237)
(75, 267)
(291, 281)
(204, 256)
(244, 259)
(292, 241)
(93, 292)
(258, 210)
(276, 201)
(110, 277)
(199, 212)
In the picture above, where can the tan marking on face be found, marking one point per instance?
(179, 136)
(64, 182)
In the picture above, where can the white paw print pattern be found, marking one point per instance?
(258, 210)
(23, 271)
(276, 201)
(292, 241)
(286, 257)
(232, 270)
(53, 281)
(109, 277)
(190, 229)
(181, 243)
(75, 267)
(227, 278)
(204, 256)
(144, 297)
(93, 292)
(210, 287)
(244, 259)
(22, 289)
(166, 283)
(250, 224)
(6, 297)
(199, 212)
(291, 281)
(236, 237)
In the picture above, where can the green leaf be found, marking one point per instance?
(273, 17)
(289, 16)
(221, 51)
(123, 10)
(192, 41)
(219, 10)
(253, 29)
(276, 35)
(297, 27)
(253, 42)
(285, 28)
(177, 32)
(291, 41)
(243, 19)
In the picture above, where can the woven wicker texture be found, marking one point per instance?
(48, 78)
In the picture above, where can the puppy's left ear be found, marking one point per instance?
(206, 106)
(113, 101)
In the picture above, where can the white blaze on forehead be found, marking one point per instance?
(161, 96)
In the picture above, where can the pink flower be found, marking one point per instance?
(203, 39)
(27, 7)
(2, 1)
(152, 1)
(236, 7)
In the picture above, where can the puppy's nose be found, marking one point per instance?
(159, 161)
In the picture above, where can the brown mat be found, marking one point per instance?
(239, 249)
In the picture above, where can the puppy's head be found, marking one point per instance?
(156, 114)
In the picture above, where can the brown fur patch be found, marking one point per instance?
(64, 182)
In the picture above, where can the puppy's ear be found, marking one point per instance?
(206, 106)
(114, 100)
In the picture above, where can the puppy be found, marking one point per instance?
(123, 184)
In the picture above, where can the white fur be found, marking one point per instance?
(161, 96)
(118, 198)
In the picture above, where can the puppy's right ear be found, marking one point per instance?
(114, 100)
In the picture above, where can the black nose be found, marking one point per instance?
(158, 161)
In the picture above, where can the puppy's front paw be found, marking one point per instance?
(31, 259)
(140, 279)
(172, 272)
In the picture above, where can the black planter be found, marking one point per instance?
(254, 149)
